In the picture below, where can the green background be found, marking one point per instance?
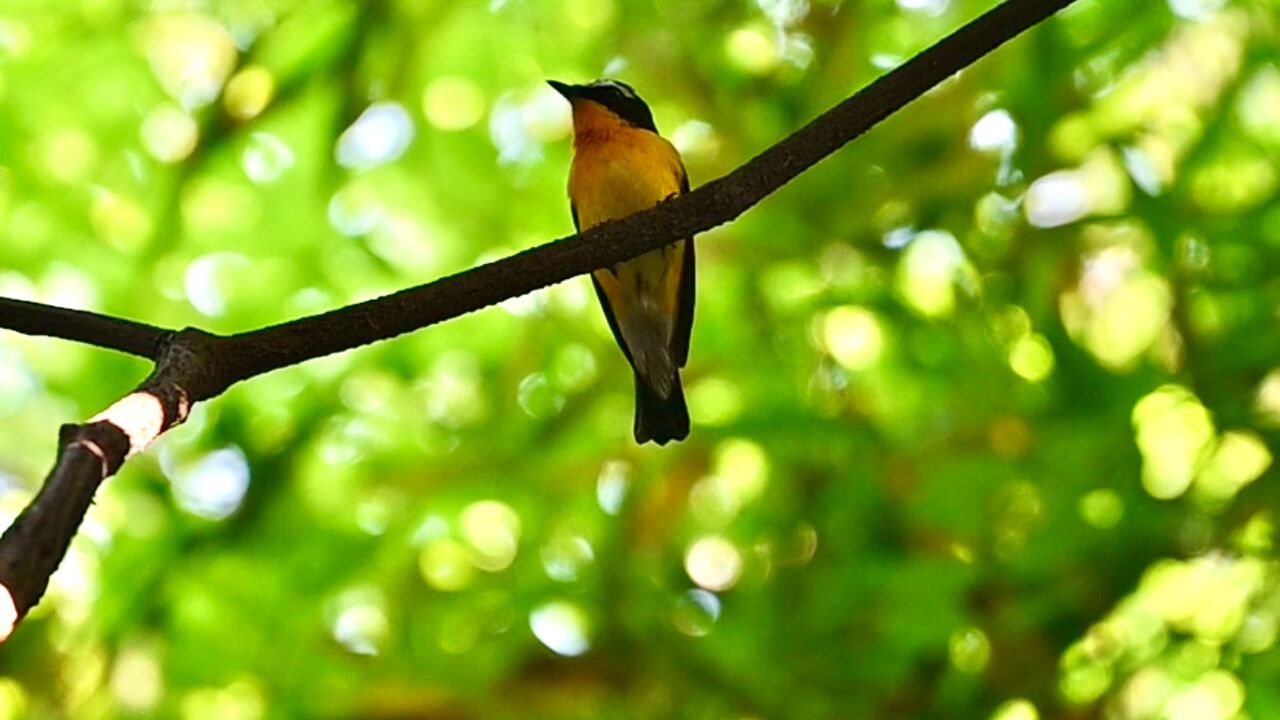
(984, 406)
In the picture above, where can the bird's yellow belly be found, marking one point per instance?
(616, 185)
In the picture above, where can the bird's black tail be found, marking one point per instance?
(657, 418)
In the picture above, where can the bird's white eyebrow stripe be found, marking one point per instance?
(624, 89)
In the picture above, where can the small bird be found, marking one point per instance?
(621, 165)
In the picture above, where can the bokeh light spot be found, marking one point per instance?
(1259, 106)
(590, 16)
(266, 158)
(191, 55)
(241, 700)
(612, 485)
(1031, 358)
(928, 271)
(1234, 180)
(358, 620)
(538, 398)
(715, 401)
(1196, 702)
(562, 626)
(67, 154)
(215, 486)
(926, 7)
(380, 135)
(1018, 709)
(743, 468)
(740, 473)
(1085, 683)
(356, 210)
(969, 650)
(209, 279)
(120, 220)
(696, 612)
(713, 563)
(574, 367)
(1195, 10)
(519, 126)
(1102, 508)
(1146, 692)
(695, 137)
(492, 529)
(15, 38)
(994, 132)
(1240, 458)
(1101, 185)
(453, 103)
(169, 134)
(853, 336)
(216, 205)
(565, 555)
(1119, 308)
(1258, 632)
(1174, 431)
(453, 392)
(1057, 199)
(1257, 536)
(446, 565)
(753, 49)
(1266, 400)
(249, 92)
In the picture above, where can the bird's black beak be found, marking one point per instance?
(568, 91)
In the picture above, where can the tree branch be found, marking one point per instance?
(193, 365)
(103, 331)
(712, 204)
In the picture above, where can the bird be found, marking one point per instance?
(621, 165)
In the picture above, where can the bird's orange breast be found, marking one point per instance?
(618, 169)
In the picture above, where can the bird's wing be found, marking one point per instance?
(685, 294)
(604, 299)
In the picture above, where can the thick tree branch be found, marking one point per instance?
(193, 365)
(41, 534)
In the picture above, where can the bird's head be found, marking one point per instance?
(616, 98)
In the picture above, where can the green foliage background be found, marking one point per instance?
(984, 406)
